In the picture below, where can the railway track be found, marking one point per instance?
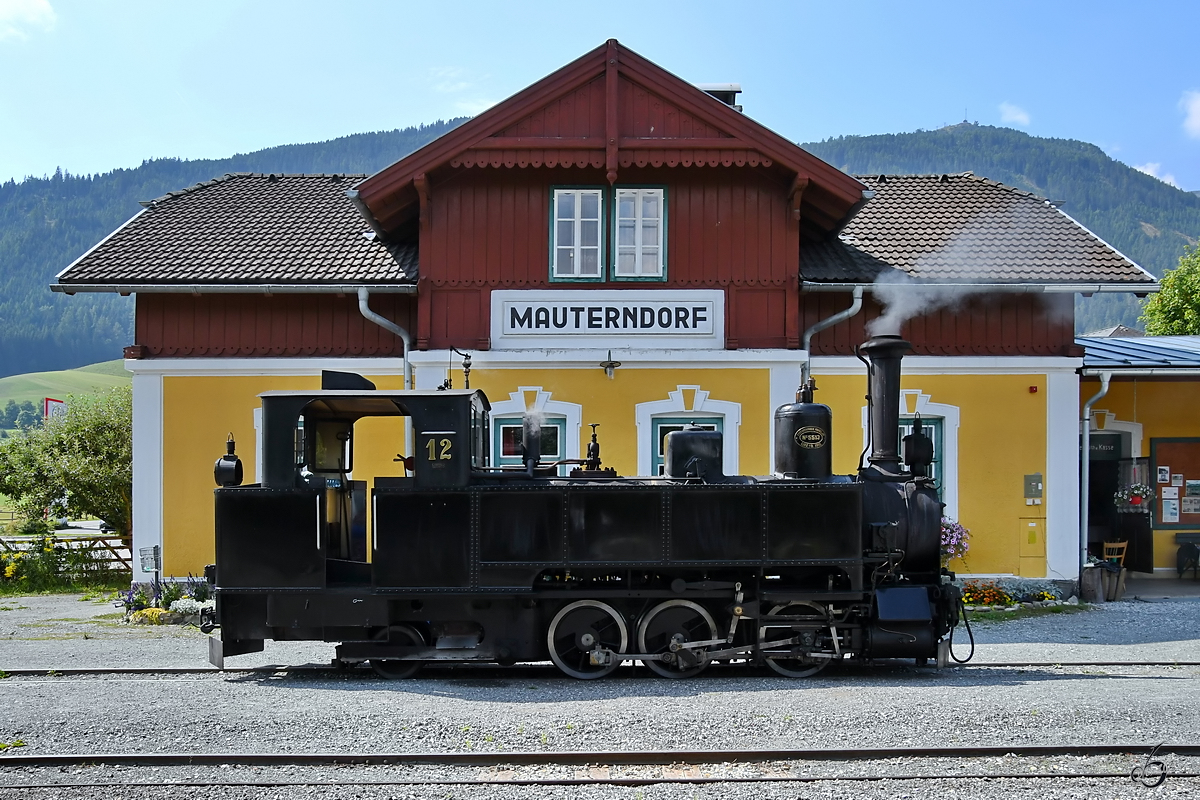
(1145, 760)
(491, 670)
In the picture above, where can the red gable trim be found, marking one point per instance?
(826, 194)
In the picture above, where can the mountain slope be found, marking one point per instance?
(46, 223)
(1150, 221)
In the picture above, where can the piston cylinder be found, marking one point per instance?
(803, 441)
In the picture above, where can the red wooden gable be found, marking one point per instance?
(610, 109)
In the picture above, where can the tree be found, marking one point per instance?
(8, 417)
(1175, 311)
(80, 464)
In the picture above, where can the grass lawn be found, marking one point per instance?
(35, 386)
(1024, 613)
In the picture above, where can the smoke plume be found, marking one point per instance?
(979, 251)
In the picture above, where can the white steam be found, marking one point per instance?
(981, 250)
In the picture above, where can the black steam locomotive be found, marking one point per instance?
(469, 562)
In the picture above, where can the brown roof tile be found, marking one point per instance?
(962, 228)
(248, 228)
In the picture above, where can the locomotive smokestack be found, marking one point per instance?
(885, 353)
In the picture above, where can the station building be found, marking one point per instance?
(615, 246)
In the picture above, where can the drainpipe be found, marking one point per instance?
(1085, 468)
(364, 306)
(806, 367)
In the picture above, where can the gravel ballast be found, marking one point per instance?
(890, 704)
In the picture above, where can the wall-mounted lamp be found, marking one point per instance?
(610, 366)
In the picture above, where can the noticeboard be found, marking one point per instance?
(1175, 479)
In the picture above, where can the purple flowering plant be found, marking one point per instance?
(956, 540)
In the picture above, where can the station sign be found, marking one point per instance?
(686, 318)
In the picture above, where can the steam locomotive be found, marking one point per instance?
(470, 562)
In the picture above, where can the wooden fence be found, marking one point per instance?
(112, 551)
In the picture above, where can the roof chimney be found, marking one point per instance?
(725, 92)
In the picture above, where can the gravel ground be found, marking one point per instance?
(891, 704)
(57, 631)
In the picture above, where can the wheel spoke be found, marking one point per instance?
(797, 665)
(675, 620)
(586, 618)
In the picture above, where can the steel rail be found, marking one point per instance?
(597, 781)
(584, 758)
(493, 669)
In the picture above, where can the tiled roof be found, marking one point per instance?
(1143, 352)
(248, 228)
(963, 229)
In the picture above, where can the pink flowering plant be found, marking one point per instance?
(956, 540)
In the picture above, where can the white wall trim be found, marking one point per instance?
(1111, 423)
(147, 464)
(675, 404)
(1061, 494)
(518, 403)
(954, 365)
(914, 401)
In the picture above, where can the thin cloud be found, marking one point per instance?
(448, 80)
(473, 107)
(1154, 170)
(1190, 103)
(18, 16)
(1013, 113)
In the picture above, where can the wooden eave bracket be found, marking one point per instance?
(421, 184)
(796, 194)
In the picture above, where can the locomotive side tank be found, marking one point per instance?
(469, 562)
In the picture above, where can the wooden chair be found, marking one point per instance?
(1115, 552)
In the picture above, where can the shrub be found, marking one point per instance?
(170, 592)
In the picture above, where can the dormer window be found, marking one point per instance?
(577, 238)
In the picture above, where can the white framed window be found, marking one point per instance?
(576, 247)
(640, 228)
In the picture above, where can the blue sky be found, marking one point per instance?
(90, 85)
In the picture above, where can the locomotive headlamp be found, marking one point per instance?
(228, 469)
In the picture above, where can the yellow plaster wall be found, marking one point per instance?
(200, 411)
(1001, 438)
(611, 403)
(1165, 408)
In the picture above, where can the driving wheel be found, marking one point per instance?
(668, 626)
(793, 661)
(580, 628)
(393, 668)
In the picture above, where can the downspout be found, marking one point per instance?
(1085, 468)
(364, 307)
(806, 366)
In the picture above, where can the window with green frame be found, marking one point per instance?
(661, 426)
(640, 214)
(577, 234)
(507, 441)
(933, 429)
(581, 238)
